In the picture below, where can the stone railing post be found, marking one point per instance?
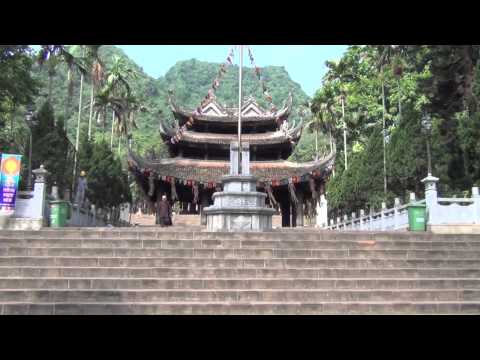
(396, 214)
(55, 192)
(476, 204)
(362, 214)
(39, 193)
(412, 197)
(382, 215)
(345, 219)
(370, 218)
(338, 222)
(353, 221)
(430, 183)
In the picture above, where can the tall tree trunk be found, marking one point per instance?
(111, 135)
(90, 118)
(383, 135)
(316, 143)
(344, 134)
(69, 99)
(77, 139)
(399, 101)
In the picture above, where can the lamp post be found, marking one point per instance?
(30, 120)
(427, 127)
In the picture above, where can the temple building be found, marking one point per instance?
(199, 142)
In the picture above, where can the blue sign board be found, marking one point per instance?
(9, 178)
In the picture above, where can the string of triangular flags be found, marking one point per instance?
(268, 97)
(216, 82)
(210, 96)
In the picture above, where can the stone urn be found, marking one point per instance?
(5, 218)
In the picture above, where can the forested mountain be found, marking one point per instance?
(190, 80)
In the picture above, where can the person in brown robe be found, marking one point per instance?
(165, 212)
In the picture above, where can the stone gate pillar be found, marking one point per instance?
(300, 208)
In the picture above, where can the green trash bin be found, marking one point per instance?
(417, 217)
(59, 213)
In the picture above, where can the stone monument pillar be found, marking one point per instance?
(431, 199)
(39, 194)
(322, 212)
(239, 207)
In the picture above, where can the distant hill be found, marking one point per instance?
(190, 80)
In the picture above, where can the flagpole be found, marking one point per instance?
(240, 109)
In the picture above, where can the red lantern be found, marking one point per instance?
(210, 185)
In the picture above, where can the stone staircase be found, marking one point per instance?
(189, 271)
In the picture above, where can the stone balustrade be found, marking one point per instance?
(440, 212)
(395, 218)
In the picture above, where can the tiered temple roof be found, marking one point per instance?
(210, 171)
(279, 137)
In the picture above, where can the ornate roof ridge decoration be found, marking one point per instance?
(205, 171)
(212, 110)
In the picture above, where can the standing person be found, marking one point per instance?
(82, 188)
(165, 212)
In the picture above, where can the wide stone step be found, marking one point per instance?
(297, 263)
(282, 234)
(264, 253)
(235, 273)
(298, 243)
(244, 284)
(237, 295)
(244, 308)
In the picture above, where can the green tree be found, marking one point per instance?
(50, 147)
(107, 183)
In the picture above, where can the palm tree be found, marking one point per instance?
(53, 55)
(388, 54)
(74, 65)
(116, 94)
(323, 120)
(50, 54)
(337, 74)
(77, 138)
(96, 76)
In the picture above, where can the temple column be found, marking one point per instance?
(285, 210)
(203, 203)
(157, 207)
(294, 214)
(300, 207)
